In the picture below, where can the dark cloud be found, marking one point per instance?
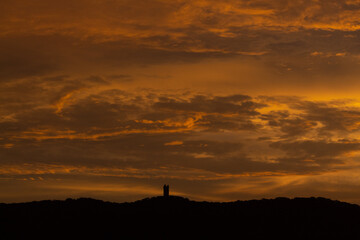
(216, 122)
(238, 104)
(325, 118)
(320, 152)
(28, 56)
(334, 118)
(291, 126)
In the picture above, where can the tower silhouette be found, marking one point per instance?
(166, 190)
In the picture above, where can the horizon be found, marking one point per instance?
(223, 101)
(182, 197)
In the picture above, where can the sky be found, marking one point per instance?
(222, 100)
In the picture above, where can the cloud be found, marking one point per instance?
(185, 91)
(174, 143)
(152, 132)
(116, 135)
(278, 38)
(319, 152)
(332, 117)
(289, 124)
(238, 104)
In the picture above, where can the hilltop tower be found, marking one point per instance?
(166, 190)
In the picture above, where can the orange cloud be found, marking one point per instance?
(174, 143)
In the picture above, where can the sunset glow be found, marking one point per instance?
(223, 100)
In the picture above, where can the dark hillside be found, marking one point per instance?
(179, 218)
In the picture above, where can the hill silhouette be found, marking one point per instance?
(180, 218)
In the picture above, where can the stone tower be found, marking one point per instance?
(166, 190)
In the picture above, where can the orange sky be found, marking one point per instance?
(223, 100)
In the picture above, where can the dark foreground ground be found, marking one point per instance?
(180, 218)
